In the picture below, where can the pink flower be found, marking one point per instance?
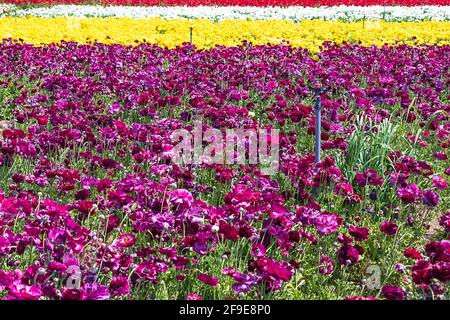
(349, 255)
(388, 228)
(421, 272)
(181, 197)
(343, 189)
(445, 221)
(193, 296)
(327, 223)
(18, 291)
(360, 298)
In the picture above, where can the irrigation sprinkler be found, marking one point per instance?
(190, 34)
(318, 90)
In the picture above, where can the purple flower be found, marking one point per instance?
(430, 198)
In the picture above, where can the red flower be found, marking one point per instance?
(412, 253)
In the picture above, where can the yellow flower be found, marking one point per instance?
(308, 34)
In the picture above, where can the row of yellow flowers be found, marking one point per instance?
(206, 34)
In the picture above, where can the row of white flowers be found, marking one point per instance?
(347, 13)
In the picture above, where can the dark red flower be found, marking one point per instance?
(359, 234)
(389, 228)
(393, 292)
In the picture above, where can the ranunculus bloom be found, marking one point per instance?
(211, 281)
(258, 250)
(119, 286)
(326, 266)
(360, 298)
(441, 271)
(421, 272)
(409, 194)
(126, 240)
(349, 255)
(444, 221)
(440, 156)
(327, 223)
(412, 253)
(389, 228)
(439, 183)
(193, 296)
(181, 197)
(393, 292)
(359, 234)
(430, 198)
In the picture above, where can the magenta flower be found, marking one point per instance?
(210, 281)
(393, 293)
(409, 194)
(258, 250)
(441, 156)
(119, 286)
(412, 253)
(18, 291)
(181, 197)
(444, 221)
(126, 240)
(326, 266)
(439, 183)
(349, 255)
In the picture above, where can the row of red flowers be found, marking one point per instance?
(306, 3)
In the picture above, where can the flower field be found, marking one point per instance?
(258, 3)
(94, 206)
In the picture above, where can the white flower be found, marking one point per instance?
(292, 13)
